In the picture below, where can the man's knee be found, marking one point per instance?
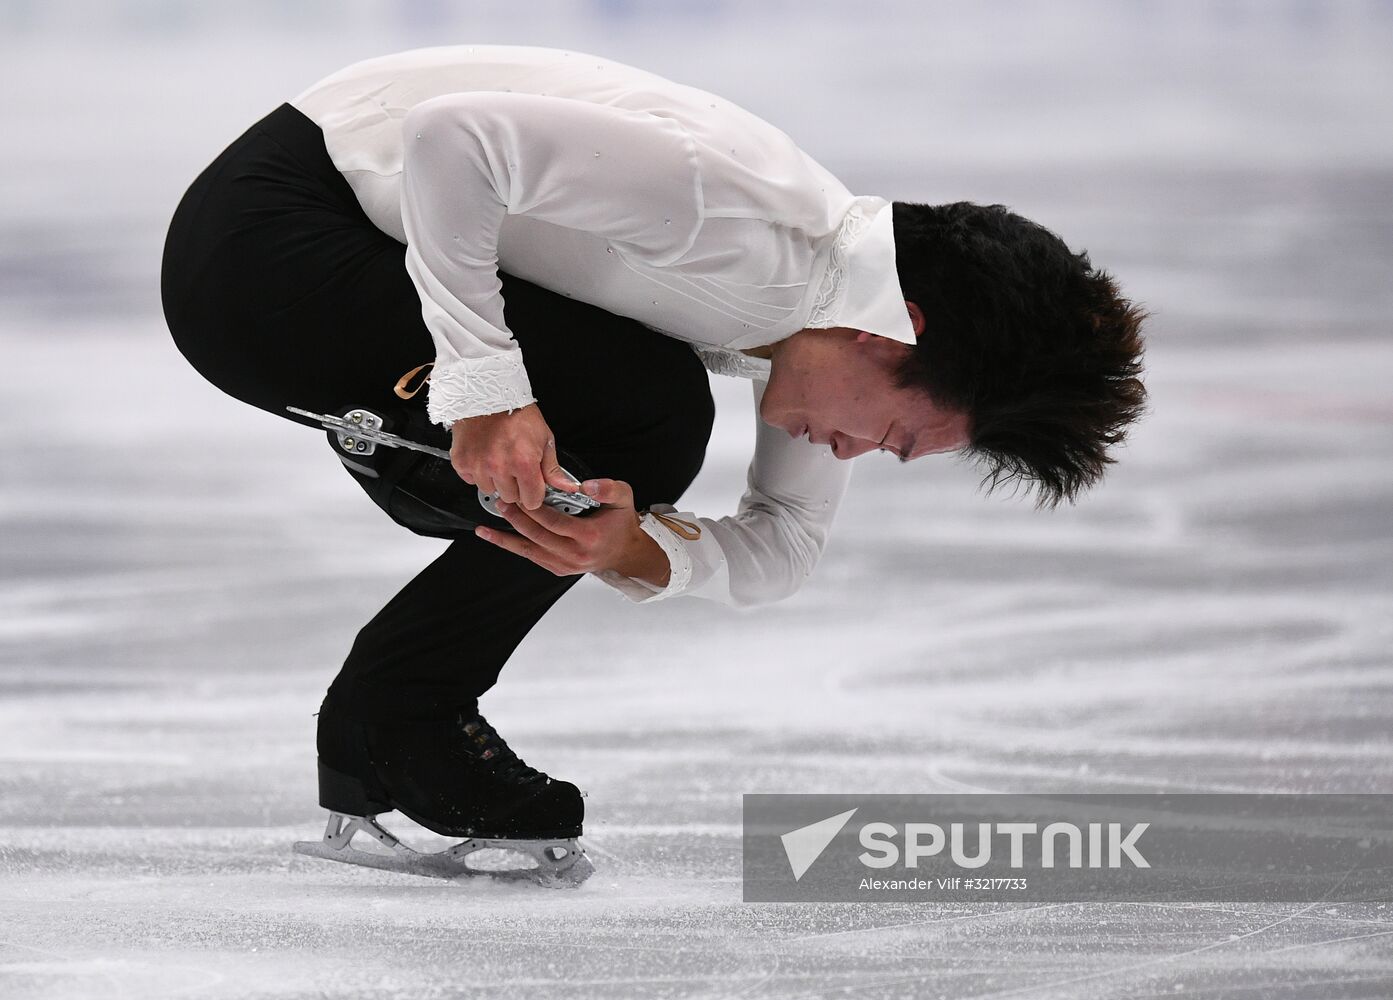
(633, 404)
(662, 449)
(686, 446)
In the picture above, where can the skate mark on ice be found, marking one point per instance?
(956, 918)
(1338, 940)
(67, 968)
(1148, 963)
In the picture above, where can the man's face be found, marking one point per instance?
(837, 387)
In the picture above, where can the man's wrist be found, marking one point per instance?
(645, 560)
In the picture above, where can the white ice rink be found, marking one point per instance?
(181, 575)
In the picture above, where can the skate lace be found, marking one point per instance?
(484, 744)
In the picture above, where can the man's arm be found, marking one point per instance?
(472, 158)
(765, 551)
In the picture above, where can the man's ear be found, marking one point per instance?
(916, 317)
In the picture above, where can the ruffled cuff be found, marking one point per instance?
(471, 387)
(679, 564)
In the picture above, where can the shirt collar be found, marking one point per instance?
(871, 299)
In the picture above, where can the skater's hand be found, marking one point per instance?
(512, 455)
(605, 539)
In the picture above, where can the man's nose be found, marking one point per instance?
(848, 447)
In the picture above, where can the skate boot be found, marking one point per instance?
(459, 779)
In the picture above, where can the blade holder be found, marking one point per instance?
(359, 432)
(356, 444)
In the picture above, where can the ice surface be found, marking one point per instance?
(180, 575)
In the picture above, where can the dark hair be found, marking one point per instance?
(1028, 338)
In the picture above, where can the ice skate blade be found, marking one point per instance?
(557, 863)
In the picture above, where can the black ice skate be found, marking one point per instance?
(410, 477)
(458, 779)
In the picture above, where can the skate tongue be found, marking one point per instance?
(483, 743)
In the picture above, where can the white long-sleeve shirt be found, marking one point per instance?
(647, 198)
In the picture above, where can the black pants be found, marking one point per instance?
(280, 291)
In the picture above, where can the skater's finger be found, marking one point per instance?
(555, 521)
(551, 469)
(532, 488)
(506, 488)
(523, 547)
(614, 492)
(513, 543)
(526, 523)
